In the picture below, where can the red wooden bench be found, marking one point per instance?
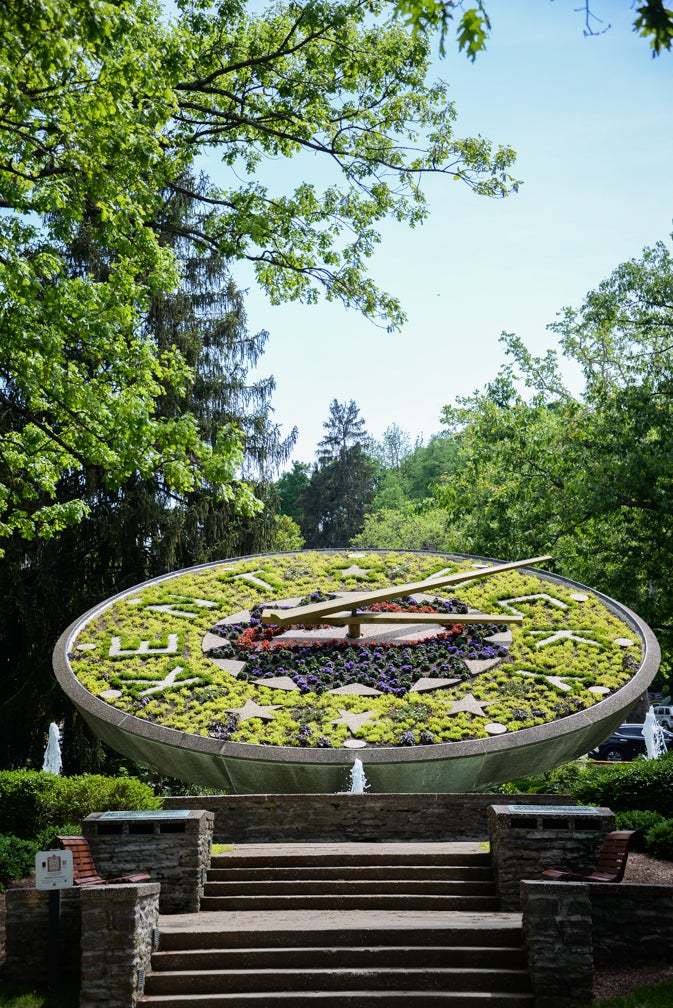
(611, 861)
(83, 867)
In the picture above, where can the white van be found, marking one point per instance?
(664, 716)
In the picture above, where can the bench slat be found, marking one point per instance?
(611, 863)
(84, 868)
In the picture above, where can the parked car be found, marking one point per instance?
(626, 743)
(664, 716)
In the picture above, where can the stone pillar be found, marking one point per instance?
(558, 936)
(173, 847)
(526, 839)
(117, 928)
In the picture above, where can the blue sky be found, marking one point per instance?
(592, 122)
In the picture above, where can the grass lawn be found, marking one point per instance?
(15, 996)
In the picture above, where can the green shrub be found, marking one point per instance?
(31, 800)
(650, 996)
(21, 796)
(46, 838)
(73, 798)
(562, 780)
(25, 996)
(640, 820)
(643, 784)
(17, 858)
(659, 840)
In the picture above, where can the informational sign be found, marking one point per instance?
(53, 869)
(150, 814)
(554, 809)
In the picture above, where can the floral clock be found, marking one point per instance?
(273, 672)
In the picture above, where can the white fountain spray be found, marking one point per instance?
(52, 755)
(358, 780)
(654, 736)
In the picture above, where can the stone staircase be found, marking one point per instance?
(351, 924)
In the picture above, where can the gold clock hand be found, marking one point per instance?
(306, 614)
(448, 619)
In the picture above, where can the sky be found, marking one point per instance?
(591, 120)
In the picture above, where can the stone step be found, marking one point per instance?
(342, 978)
(344, 926)
(466, 872)
(374, 901)
(344, 999)
(306, 929)
(321, 855)
(402, 956)
(349, 887)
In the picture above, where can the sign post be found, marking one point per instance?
(53, 871)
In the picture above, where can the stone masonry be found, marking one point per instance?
(569, 926)
(27, 945)
(173, 849)
(117, 926)
(557, 934)
(525, 840)
(106, 932)
(316, 818)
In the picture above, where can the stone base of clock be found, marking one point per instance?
(475, 765)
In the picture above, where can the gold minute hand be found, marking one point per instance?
(312, 613)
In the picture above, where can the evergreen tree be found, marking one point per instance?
(141, 529)
(339, 493)
(344, 428)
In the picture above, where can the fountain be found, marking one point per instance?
(358, 780)
(654, 736)
(52, 754)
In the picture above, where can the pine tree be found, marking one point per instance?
(344, 428)
(342, 485)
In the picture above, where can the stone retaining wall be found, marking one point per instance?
(570, 925)
(558, 937)
(319, 818)
(632, 922)
(105, 934)
(27, 944)
(104, 941)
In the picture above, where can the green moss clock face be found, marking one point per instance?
(197, 652)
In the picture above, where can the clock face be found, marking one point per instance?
(452, 660)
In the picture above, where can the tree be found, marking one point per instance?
(410, 529)
(85, 97)
(588, 478)
(286, 534)
(653, 21)
(410, 483)
(104, 105)
(139, 530)
(288, 489)
(393, 448)
(344, 428)
(343, 482)
(337, 498)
